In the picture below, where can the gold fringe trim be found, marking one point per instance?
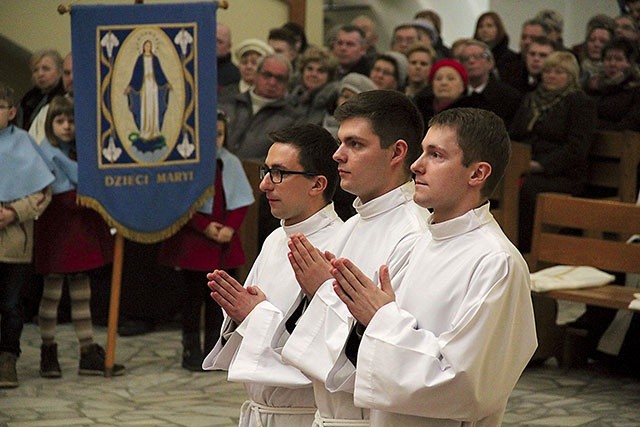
(145, 237)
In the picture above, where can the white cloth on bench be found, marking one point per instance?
(569, 277)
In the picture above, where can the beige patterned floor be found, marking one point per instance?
(156, 391)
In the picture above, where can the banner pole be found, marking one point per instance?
(114, 304)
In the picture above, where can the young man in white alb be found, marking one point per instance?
(299, 179)
(379, 135)
(446, 344)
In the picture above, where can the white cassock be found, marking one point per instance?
(382, 232)
(450, 349)
(281, 396)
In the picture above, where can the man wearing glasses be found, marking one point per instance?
(485, 89)
(380, 133)
(260, 110)
(299, 178)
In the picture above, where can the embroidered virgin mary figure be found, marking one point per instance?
(148, 93)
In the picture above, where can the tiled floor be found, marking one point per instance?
(156, 391)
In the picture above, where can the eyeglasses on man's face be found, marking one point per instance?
(276, 174)
(280, 78)
(476, 56)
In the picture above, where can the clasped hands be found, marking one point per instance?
(359, 293)
(236, 300)
(219, 233)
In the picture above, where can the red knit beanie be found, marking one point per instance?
(449, 63)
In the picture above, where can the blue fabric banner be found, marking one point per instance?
(145, 106)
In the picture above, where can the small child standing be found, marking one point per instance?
(209, 240)
(24, 195)
(70, 241)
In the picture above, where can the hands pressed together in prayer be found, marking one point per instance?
(311, 266)
(360, 294)
(236, 300)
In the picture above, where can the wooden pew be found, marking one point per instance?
(613, 165)
(249, 228)
(505, 199)
(551, 245)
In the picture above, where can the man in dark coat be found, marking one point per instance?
(485, 90)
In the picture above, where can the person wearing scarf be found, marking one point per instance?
(558, 121)
(616, 90)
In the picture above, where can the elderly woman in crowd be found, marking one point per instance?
(616, 89)
(389, 71)
(350, 85)
(447, 86)
(490, 29)
(420, 57)
(316, 89)
(248, 53)
(558, 121)
(46, 72)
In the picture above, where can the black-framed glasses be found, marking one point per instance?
(276, 174)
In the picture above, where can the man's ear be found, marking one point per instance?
(399, 152)
(319, 184)
(480, 173)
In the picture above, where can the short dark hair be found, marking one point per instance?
(350, 28)
(298, 31)
(316, 147)
(544, 41)
(7, 94)
(392, 115)
(482, 136)
(284, 35)
(59, 106)
(623, 45)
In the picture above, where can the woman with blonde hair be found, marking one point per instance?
(558, 120)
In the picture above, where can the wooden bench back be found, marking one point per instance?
(613, 164)
(599, 220)
(555, 213)
(507, 194)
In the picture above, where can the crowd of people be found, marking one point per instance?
(378, 165)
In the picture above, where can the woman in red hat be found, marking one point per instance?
(447, 88)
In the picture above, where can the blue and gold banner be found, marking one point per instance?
(145, 106)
